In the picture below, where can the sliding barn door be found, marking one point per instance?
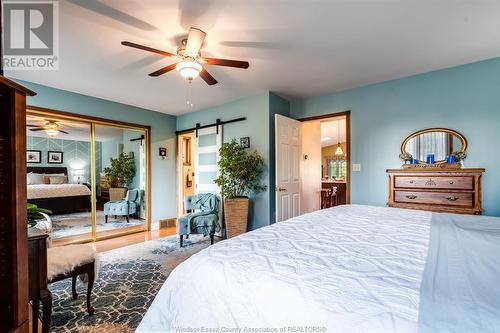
(288, 153)
(208, 142)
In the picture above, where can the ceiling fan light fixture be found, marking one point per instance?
(51, 132)
(189, 69)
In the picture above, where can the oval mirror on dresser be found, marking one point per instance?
(439, 142)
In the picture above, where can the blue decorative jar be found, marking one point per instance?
(430, 159)
(413, 161)
(451, 159)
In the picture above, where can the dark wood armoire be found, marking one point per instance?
(14, 308)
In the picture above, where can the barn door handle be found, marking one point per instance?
(281, 189)
(452, 198)
(411, 197)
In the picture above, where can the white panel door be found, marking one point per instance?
(208, 143)
(288, 156)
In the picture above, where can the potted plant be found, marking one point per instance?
(239, 177)
(35, 214)
(119, 175)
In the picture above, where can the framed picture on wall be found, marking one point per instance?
(55, 157)
(245, 142)
(34, 156)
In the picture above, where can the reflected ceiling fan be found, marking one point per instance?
(51, 127)
(191, 62)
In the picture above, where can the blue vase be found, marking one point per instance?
(430, 159)
(414, 161)
(451, 159)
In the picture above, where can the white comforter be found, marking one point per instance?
(56, 190)
(344, 269)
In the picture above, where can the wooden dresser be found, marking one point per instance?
(438, 190)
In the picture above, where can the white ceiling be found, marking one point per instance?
(76, 130)
(333, 132)
(296, 48)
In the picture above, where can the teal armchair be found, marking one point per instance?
(130, 205)
(203, 216)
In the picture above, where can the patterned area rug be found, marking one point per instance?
(65, 225)
(127, 282)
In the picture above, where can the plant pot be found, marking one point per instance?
(117, 193)
(236, 216)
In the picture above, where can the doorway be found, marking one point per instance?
(198, 154)
(186, 166)
(313, 154)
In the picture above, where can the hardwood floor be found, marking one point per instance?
(114, 243)
(121, 241)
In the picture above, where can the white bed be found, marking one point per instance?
(347, 269)
(42, 191)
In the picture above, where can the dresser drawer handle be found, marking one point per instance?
(452, 198)
(411, 197)
(451, 182)
(412, 181)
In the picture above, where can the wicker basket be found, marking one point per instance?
(236, 216)
(117, 193)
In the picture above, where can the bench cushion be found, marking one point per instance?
(62, 260)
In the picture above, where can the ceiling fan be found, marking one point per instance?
(191, 62)
(51, 127)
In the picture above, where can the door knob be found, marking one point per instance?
(280, 189)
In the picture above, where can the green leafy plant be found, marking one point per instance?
(34, 214)
(121, 172)
(240, 171)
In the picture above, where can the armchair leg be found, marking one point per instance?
(211, 239)
(128, 219)
(180, 240)
(106, 218)
(187, 236)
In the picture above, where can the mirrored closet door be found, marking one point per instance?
(121, 179)
(59, 174)
(90, 173)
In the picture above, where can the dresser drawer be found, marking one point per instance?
(464, 199)
(451, 182)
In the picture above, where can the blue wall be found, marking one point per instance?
(75, 155)
(163, 194)
(465, 98)
(256, 126)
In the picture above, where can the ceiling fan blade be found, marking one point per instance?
(194, 42)
(147, 48)
(207, 77)
(37, 129)
(28, 125)
(163, 70)
(63, 132)
(227, 62)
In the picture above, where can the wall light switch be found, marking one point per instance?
(356, 167)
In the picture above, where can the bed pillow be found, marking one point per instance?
(35, 178)
(58, 180)
(46, 178)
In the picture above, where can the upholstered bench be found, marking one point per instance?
(71, 261)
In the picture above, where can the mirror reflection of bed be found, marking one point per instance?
(59, 177)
